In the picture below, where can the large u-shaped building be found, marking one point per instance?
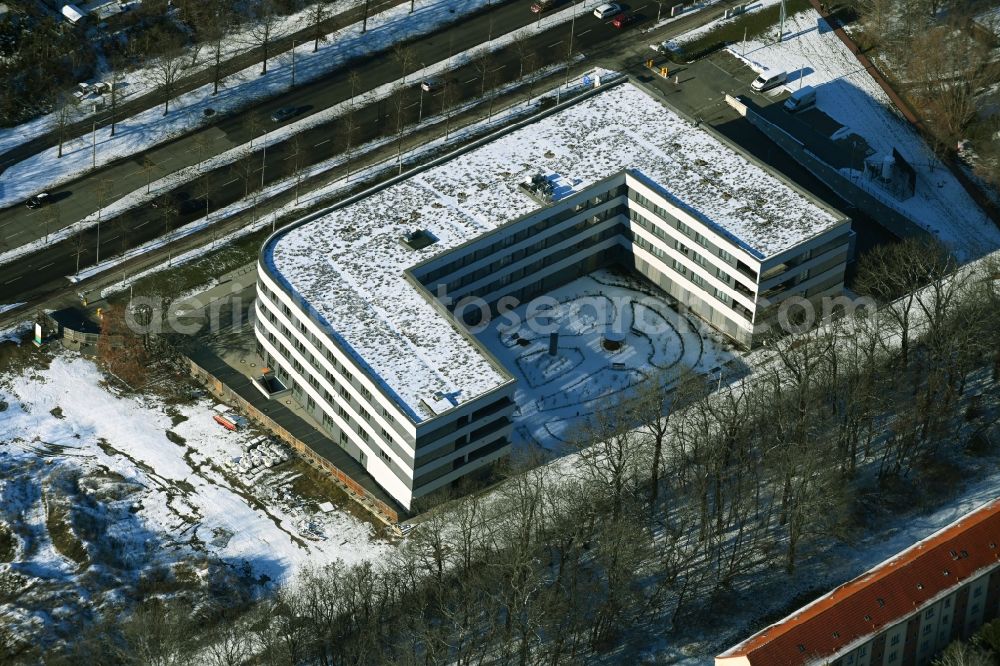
(363, 309)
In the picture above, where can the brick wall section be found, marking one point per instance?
(353, 489)
(968, 183)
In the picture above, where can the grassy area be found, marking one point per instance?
(317, 486)
(57, 522)
(169, 283)
(755, 24)
(8, 544)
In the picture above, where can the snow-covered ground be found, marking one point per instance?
(556, 394)
(154, 473)
(815, 56)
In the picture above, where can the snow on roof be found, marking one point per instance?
(72, 13)
(348, 264)
(857, 610)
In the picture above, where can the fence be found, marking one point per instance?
(357, 492)
(970, 186)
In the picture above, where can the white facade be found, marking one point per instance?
(368, 330)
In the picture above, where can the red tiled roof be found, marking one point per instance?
(881, 597)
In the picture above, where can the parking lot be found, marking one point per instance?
(698, 90)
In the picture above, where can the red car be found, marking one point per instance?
(624, 20)
(543, 6)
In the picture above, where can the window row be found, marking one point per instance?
(340, 384)
(685, 229)
(507, 238)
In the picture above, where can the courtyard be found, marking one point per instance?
(610, 331)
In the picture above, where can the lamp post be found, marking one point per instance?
(420, 110)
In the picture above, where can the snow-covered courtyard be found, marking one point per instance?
(614, 332)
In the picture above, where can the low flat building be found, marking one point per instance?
(364, 310)
(901, 613)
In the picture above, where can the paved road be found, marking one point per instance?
(700, 92)
(43, 273)
(129, 107)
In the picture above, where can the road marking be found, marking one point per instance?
(550, 46)
(289, 157)
(16, 233)
(231, 182)
(14, 280)
(47, 265)
(411, 105)
(498, 68)
(581, 34)
(142, 225)
(471, 80)
(321, 143)
(133, 173)
(639, 9)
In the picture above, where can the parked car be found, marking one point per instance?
(607, 9)
(801, 99)
(543, 6)
(284, 113)
(769, 78)
(624, 20)
(38, 200)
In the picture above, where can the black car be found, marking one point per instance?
(38, 200)
(284, 114)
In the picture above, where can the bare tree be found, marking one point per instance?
(245, 166)
(948, 69)
(165, 71)
(399, 103)
(349, 128)
(66, 112)
(295, 154)
(115, 79)
(264, 31)
(404, 56)
(217, 31)
(318, 13)
(484, 64)
(893, 273)
(148, 165)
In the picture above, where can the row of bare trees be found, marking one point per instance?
(942, 62)
(663, 514)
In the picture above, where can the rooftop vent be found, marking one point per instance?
(539, 188)
(418, 239)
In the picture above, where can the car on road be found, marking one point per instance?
(432, 84)
(607, 9)
(543, 6)
(38, 200)
(624, 20)
(283, 114)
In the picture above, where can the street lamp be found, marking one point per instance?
(420, 111)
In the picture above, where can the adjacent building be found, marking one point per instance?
(901, 613)
(364, 310)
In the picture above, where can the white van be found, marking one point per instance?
(802, 98)
(768, 79)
